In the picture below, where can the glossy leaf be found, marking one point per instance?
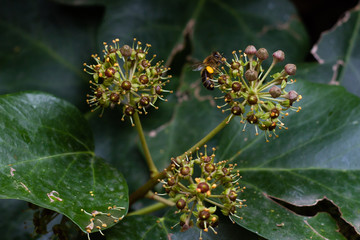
(302, 165)
(339, 50)
(320, 145)
(166, 227)
(47, 158)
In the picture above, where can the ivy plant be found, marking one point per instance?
(135, 144)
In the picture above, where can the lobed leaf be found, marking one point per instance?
(47, 158)
(338, 50)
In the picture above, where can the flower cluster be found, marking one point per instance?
(248, 94)
(217, 185)
(126, 77)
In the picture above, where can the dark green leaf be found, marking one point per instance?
(21, 225)
(339, 49)
(317, 156)
(232, 25)
(47, 158)
(139, 227)
(44, 46)
(150, 227)
(321, 145)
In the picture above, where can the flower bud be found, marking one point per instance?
(262, 54)
(204, 214)
(232, 195)
(126, 85)
(158, 89)
(129, 110)
(252, 119)
(171, 181)
(228, 98)
(278, 56)
(114, 97)
(292, 96)
(209, 167)
(272, 126)
(144, 101)
(290, 69)
(274, 113)
(236, 86)
(252, 99)
(143, 79)
(251, 75)
(126, 50)
(207, 159)
(235, 65)
(110, 72)
(236, 110)
(275, 91)
(250, 51)
(145, 63)
(98, 93)
(181, 204)
(203, 187)
(185, 171)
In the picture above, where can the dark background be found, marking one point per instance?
(321, 15)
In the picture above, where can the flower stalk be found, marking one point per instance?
(150, 184)
(148, 158)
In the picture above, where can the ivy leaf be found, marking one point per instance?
(46, 41)
(301, 165)
(47, 158)
(339, 50)
(138, 227)
(167, 227)
(232, 25)
(298, 167)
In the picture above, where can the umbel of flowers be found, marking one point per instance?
(125, 76)
(198, 197)
(248, 93)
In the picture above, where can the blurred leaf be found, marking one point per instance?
(151, 227)
(232, 25)
(339, 50)
(158, 22)
(47, 158)
(138, 227)
(21, 226)
(314, 72)
(44, 46)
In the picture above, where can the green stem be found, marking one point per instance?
(140, 192)
(215, 203)
(206, 138)
(267, 72)
(148, 158)
(183, 187)
(216, 196)
(148, 209)
(152, 195)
